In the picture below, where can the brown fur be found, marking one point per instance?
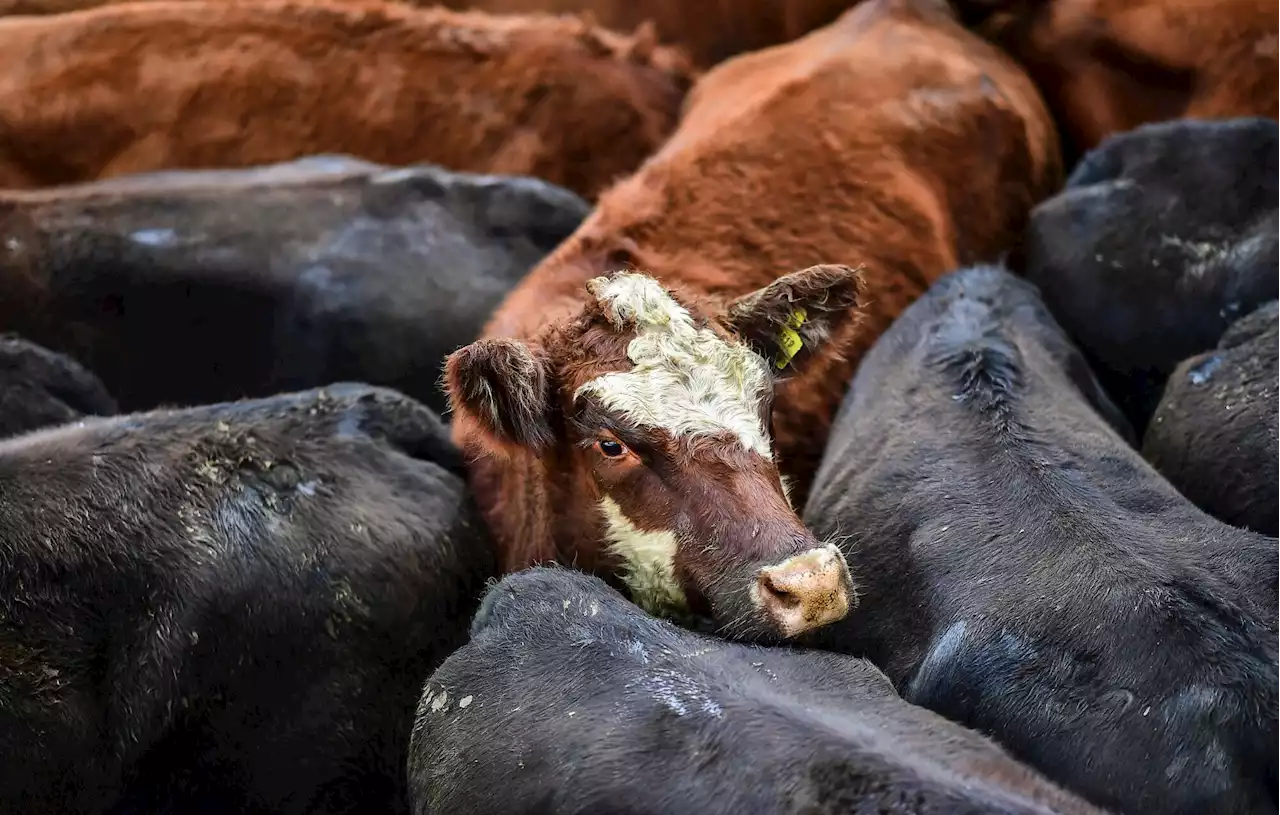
(152, 86)
(710, 30)
(12, 8)
(1107, 66)
(505, 393)
(892, 140)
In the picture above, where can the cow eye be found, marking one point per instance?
(610, 448)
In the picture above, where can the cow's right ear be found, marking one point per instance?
(504, 387)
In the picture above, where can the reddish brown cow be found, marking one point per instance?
(13, 7)
(1110, 65)
(709, 31)
(634, 410)
(153, 86)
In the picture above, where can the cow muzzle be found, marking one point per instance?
(805, 591)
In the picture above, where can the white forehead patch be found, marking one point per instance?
(648, 562)
(685, 380)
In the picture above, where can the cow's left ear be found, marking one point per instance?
(788, 321)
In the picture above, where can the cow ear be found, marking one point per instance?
(788, 321)
(505, 388)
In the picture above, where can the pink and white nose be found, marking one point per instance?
(805, 591)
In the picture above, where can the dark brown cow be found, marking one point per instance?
(132, 88)
(635, 409)
(1110, 65)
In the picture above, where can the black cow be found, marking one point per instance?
(39, 388)
(1023, 571)
(204, 286)
(1214, 433)
(228, 608)
(569, 699)
(1162, 238)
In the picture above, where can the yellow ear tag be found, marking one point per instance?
(788, 340)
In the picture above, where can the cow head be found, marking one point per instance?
(650, 414)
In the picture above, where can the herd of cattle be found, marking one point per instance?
(791, 406)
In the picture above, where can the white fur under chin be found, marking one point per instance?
(648, 560)
(685, 380)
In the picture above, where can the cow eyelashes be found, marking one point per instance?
(611, 449)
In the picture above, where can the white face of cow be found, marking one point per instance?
(685, 380)
(665, 411)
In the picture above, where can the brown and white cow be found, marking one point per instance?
(1107, 66)
(168, 85)
(621, 421)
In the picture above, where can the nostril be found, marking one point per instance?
(776, 595)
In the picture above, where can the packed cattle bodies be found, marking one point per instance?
(641, 423)
(1108, 66)
(39, 388)
(230, 608)
(708, 32)
(1162, 238)
(204, 85)
(192, 287)
(1214, 434)
(1026, 573)
(570, 699)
